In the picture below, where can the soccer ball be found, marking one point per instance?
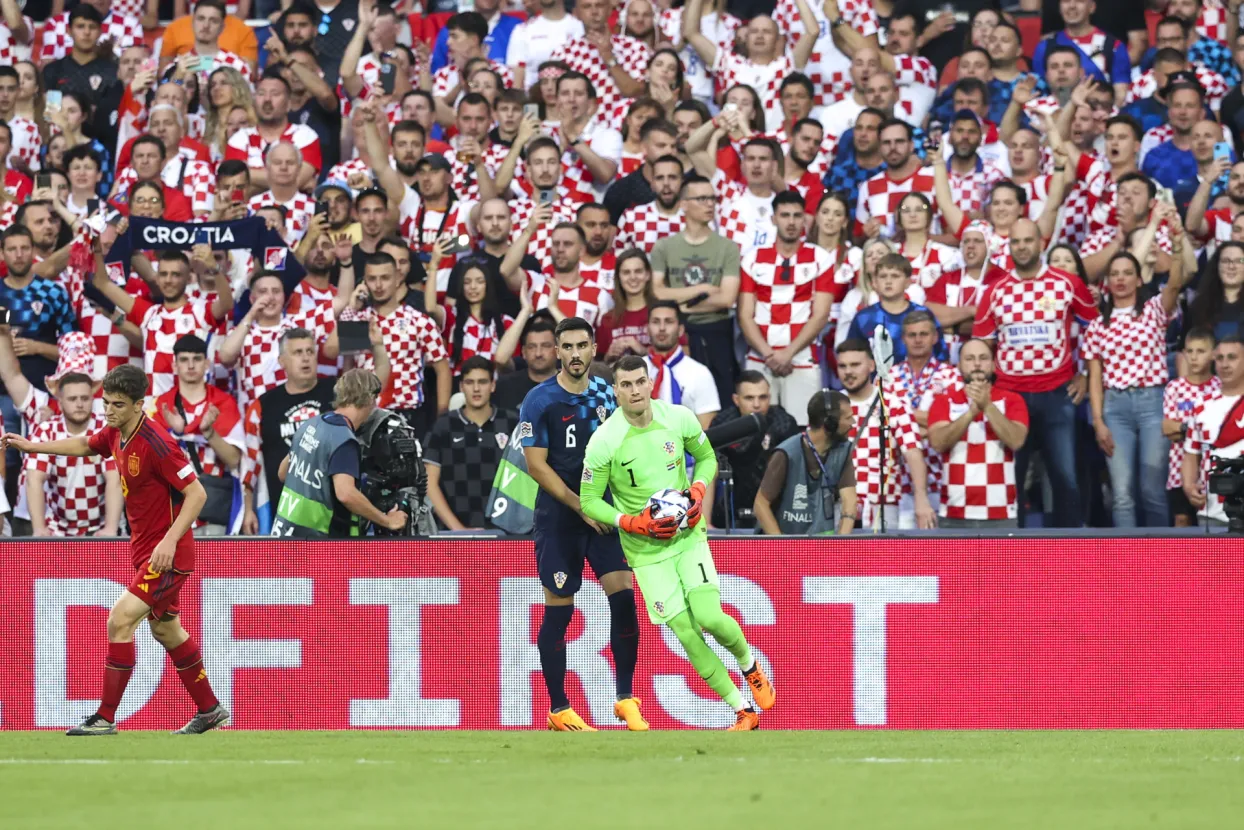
(670, 503)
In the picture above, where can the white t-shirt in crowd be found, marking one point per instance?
(534, 42)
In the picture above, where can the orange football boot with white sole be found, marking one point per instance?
(567, 720)
(762, 689)
(627, 710)
(746, 720)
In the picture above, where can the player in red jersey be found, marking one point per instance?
(163, 498)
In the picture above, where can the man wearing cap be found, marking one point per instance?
(38, 308)
(73, 496)
(202, 417)
(434, 213)
(83, 70)
(282, 166)
(335, 200)
(1147, 95)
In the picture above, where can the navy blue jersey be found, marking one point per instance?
(562, 422)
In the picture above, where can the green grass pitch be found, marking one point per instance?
(654, 781)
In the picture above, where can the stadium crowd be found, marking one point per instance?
(1050, 229)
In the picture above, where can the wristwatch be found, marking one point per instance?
(611, 63)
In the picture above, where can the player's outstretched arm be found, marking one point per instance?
(66, 446)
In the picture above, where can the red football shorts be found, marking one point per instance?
(159, 590)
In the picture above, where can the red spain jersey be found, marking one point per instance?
(154, 472)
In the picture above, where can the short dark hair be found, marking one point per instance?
(693, 178)
(88, 12)
(825, 409)
(569, 226)
(749, 376)
(1129, 122)
(881, 116)
(1201, 333)
(190, 344)
(539, 323)
(895, 262)
(585, 207)
(82, 151)
(469, 23)
(915, 318)
(1169, 54)
(698, 107)
(126, 379)
(272, 74)
(542, 142)
(473, 99)
(1021, 195)
(975, 48)
(372, 193)
(218, 5)
(971, 86)
(669, 159)
(629, 363)
(16, 230)
(853, 344)
(772, 146)
(894, 122)
(667, 304)
(573, 324)
(174, 256)
(1137, 176)
(788, 197)
(477, 361)
(657, 125)
(1230, 340)
(798, 79)
(1172, 19)
(10, 72)
(147, 138)
(379, 258)
(260, 275)
(1059, 49)
(232, 167)
(572, 75)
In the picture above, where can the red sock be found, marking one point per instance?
(189, 664)
(118, 666)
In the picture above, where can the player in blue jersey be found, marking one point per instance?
(556, 420)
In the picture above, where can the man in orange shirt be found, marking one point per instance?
(236, 37)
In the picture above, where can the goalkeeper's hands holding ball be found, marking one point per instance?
(696, 496)
(645, 525)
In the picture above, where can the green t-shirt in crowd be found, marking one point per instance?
(686, 265)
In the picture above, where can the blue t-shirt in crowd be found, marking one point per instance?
(866, 322)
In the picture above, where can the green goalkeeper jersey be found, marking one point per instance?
(635, 463)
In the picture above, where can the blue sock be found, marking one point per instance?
(624, 638)
(551, 642)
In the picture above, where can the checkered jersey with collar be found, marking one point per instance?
(879, 197)
(463, 175)
(467, 456)
(477, 338)
(162, 327)
(249, 146)
(1179, 401)
(314, 309)
(368, 71)
(74, 487)
(541, 241)
(601, 271)
(978, 477)
(913, 69)
(589, 299)
(742, 217)
(643, 226)
(298, 213)
(420, 228)
(631, 54)
(917, 390)
(411, 339)
(112, 348)
(970, 190)
(228, 425)
(1212, 21)
(1132, 348)
(828, 68)
(577, 182)
(258, 369)
(930, 262)
(122, 29)
(784, 289)
(901, 436)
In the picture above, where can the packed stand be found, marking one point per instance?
(1041, 211)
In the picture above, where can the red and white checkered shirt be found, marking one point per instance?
(298, 213)
(162, 327)
(463, 174)
(540, 247)
(978, 477)
(1179, 401)
(731, 69)
(410, 340)
(1099, 239)
(249, 146)
(631, 54)
(368, 71)
(930, 262)
(112, 348)
(917, 390)
(1215, 86)
(195, 178)
(1031, 319)
(122, 29)
(258, 369)
(26, 140)
(577, 180)
(9, 45)
(1212, 22)
(589, 299)
(1037, 192)
(743, 217)
(913, 69)
(643, 226)
(902, 435)
(228, 425)
(784, 288)
(74, 487)
(828, 68)
(447, 77)
(420, 228)
(313, 309)
(231, 61)
(1131, 348)
(477, 338)
(971, 190)
(1204, 428)
(601, 271)
(880, 196)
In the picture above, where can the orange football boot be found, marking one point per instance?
(746, 720)
(568, 720)
(762, 689)
(628, 710)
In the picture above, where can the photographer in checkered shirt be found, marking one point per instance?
(465, 447)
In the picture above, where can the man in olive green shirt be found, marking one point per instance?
(699, 269)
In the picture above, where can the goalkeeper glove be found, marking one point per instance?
(645, 525)
(696, 495)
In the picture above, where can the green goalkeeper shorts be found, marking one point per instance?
(665, 584)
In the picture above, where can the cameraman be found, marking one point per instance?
(320, 498)
(1217, 431)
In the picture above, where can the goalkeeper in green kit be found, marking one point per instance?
(641, 450)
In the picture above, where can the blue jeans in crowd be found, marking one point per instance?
(1141, 455)
(1052, 432)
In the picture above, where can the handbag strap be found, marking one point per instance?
(194, 451)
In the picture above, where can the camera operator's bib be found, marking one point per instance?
(308, 506)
